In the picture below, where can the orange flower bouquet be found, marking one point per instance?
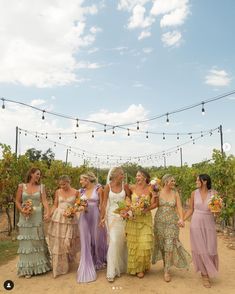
(215, 203)
(70, 212)
(27, 208)
(82, 202)
(124, 210)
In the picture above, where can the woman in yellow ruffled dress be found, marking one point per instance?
(139, 230)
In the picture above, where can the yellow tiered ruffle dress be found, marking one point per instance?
(139, 240)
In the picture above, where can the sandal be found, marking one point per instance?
(167, 277)
(140, 275)
(28, 276)
(111, 280)
(206, 282)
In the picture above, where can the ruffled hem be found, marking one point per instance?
(29, 237)
(35, 270)
(30, 250)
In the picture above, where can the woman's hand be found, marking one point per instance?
(46, 216)
(101, 223)
(181, 223)
(81, 208)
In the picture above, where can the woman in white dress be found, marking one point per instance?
(115, 191)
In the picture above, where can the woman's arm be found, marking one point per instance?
(105, 201)
(45, 203)
(189, 212)
(179, 209)
(127, 191)
(55, 204)
(19, 197)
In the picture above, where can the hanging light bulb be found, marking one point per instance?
(138, 126)
(167, 119)
(54, 144)
(46, 135)
(43, 114)
(77, 122)
(92, 134)
(113, 131)
(147, 135)
(60, 136)
(75, 135)
(191, 136)
(203, 109)
(3, 103)
(163, 136)
(178, 136)
(201, 134)
(193, 141)
(210, 132)
(105, 128)
(128, 132)
(25, 133)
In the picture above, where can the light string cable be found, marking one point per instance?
(115, 156)
(122, 126)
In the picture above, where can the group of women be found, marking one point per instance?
(104, 238)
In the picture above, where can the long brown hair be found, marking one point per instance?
(30, 172)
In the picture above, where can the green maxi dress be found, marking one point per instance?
(33, 252)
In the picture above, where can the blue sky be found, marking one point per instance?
(118, 62)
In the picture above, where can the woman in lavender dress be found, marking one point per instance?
(203, 231)
(92, 232)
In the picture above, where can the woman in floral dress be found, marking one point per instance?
(166, 229)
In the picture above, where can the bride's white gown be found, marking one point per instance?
(117, 250)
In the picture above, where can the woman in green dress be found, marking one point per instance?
(168, 219)
(33, 252)
(139, 230)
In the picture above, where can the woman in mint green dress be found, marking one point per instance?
(33, 252)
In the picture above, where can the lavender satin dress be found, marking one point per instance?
(93, 240)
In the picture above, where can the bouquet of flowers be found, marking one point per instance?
(124, 210)
(155, 184)
(70, 212)
(27, 208)
(215, 203)
(140, 204)
(82, 202)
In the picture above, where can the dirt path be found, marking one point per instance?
(183, 282)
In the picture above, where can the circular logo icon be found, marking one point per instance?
(8, 285)
(226, 146)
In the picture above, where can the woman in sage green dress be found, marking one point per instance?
(167, 246)
(33, 252)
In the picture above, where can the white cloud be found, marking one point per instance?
(143, 35)
(144, 14)
(128, 5)
(171, 38)
(93, 50)
(165, 6)
(175, 18)
(138, 19)
(129, 115)
(147, 50)
(138, 85)
(218, 78)
(37, 102)
(39, 51)
(95, 30)
(88, 65)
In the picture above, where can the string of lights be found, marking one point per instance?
(147, 133)
(97, 158)
(77, 120)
